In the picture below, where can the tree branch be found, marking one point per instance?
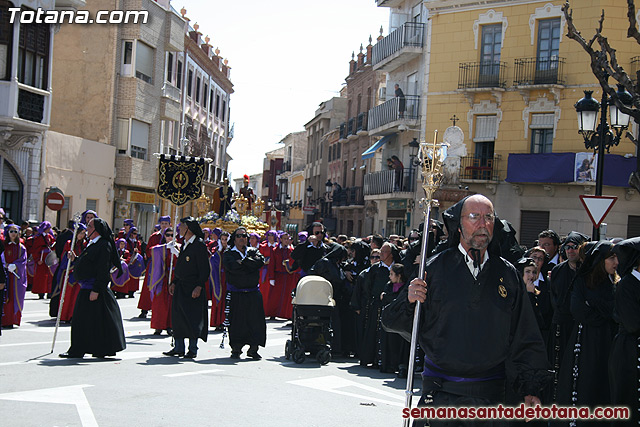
(632, 32)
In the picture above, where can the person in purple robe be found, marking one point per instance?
(14, 259)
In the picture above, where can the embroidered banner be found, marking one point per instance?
(179, 179)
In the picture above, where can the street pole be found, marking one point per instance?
(600, 165)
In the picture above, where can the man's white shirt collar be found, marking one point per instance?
(243, 255)
(636, 273)
(95, 239)
(555, 259)
(188, 242)
(469, 261)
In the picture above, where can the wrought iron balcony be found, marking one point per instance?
(399, 47)
(343, 130)
(387, 182)
(30, 106)
(351, 126)
(362, 122)
(481, 168)
(534, 71)
(351, 196)
(394, 110)
(476, 75)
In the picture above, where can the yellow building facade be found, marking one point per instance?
(511, 76)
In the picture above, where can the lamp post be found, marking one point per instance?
(414, 145)
(599, 136)
(328, 188)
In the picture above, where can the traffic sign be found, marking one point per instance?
(54, 201)
(597, 207)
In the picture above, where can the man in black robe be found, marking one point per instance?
(477, 328)
(247, 325)
(308, 253)
(562, 277)
(189, 304)
(96, 326)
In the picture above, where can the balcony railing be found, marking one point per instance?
(394, 109)
(343, 130)
(482, 168)
(351, 126)
(635, 67)
(390, 181)
(410, 34)
(534, 71)
(472, 75)
(351, 196)
(30, 106)
(171, 92)
(362, 122)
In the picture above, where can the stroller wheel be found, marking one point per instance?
(323, 357)
(287, 349)
(298, 356)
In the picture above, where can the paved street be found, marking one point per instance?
(141, 387)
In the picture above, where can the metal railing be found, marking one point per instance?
(535, 71)
(482, 75)
(351, 126)
(410, 34)
(343, 130)
(30, 105)
(482, 168)
(351, 196)
(362, 122)
(171, 92)
(390, 181)
(394, 109)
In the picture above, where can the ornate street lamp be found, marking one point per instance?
(599, 136)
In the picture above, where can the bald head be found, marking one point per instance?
(476, 223)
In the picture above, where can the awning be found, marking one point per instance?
(371, 151)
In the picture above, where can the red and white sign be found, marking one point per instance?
(597, 207)
(308, 209)
(54, 201)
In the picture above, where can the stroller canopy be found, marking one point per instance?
(314, 290)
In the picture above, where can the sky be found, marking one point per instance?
(286, 57)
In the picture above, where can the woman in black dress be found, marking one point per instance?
(96, 327)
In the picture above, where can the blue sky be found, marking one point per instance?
(286, 57)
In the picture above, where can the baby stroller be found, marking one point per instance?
(313, 306)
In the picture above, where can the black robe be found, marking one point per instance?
(593, 330)
(342, 315)
(188, 314)
(562, 277)
(624, 374)
(394, 350)
(306, 255)
(482, 328)
(374, 281)
(96, 326)
(244, 300)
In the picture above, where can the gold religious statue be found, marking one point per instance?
(203, 205)
(258, 208)
(242, 205)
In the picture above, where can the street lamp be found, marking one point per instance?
(309, 192)
(269, 204)
(328, 186)
(414, 145)
(600, 137)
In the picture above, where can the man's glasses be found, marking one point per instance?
(318, 233)
(241, 236)
(13, 231)
(375, 257)
(168, 235)
(474, 217)
(571, 247)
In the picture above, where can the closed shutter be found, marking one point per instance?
(531, 224)
(633, 226)
(9, 180)
(542, 121)
(92, 205)
(486, 128)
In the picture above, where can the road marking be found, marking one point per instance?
(184, 374)
(72, 395)
(333, 384)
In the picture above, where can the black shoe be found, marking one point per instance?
(67, 355)
(158, 332)
(190, 355)
(40, 296)
(143, 314)
(235, 354)
(173, 352)
(130, 295)
(254, 354)
(219, 329)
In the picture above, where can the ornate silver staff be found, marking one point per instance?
(432, 158)
(76, 221)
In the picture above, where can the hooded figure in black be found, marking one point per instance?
(624, 374)
(244, 301)
(96, 327)
(329, 268)
(477, 327)
(562, 277)
(583, 378)
(189, 303)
